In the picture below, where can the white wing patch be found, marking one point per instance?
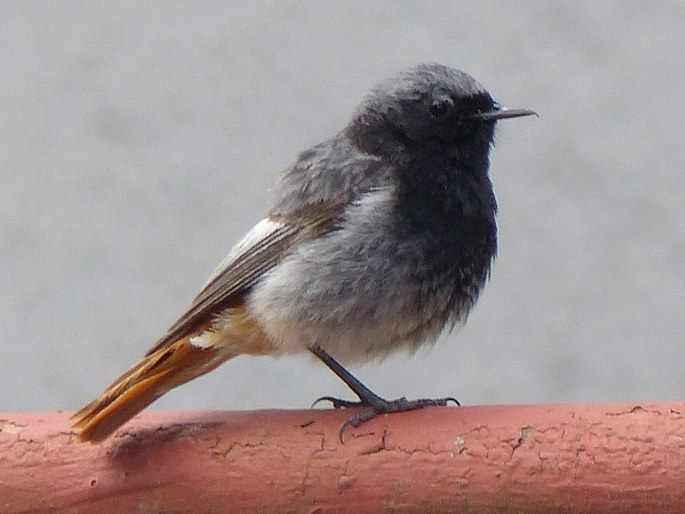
(256, 234)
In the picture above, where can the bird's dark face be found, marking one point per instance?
(441, 115)
(432, 108)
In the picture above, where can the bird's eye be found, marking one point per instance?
(441, 107)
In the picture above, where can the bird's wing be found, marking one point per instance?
(259, 250)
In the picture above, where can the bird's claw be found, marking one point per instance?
(380, 406)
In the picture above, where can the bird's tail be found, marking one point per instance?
(150, 378)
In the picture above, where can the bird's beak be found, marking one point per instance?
(500, 113)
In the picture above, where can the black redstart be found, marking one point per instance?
(379, 238)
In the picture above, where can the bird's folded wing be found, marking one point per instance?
(260, 250)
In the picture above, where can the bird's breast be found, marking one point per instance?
(378, 283)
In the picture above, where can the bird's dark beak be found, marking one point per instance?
(500, 113)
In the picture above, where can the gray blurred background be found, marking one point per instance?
(138, 142)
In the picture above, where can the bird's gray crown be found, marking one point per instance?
(423, 80)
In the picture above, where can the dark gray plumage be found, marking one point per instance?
(411, 250)
(379, 238)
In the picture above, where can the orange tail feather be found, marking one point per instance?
(149, 379)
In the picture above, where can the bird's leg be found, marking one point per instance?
(367, 398)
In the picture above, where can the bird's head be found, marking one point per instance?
(428, 108)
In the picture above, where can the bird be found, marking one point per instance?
(378, 239)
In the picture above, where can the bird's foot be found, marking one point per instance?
(377, 406)
(367, 398)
